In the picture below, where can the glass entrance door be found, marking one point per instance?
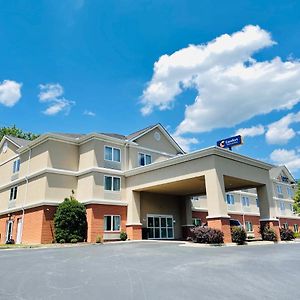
(160, 227)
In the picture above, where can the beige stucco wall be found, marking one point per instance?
(11, 151)
(163, 145)
(62, 155)
(86, 155)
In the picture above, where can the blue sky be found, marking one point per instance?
(86, 66)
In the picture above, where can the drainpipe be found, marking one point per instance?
(242, 209)
(26, 192)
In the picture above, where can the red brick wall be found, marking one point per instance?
(290, 222)
(200, 215)
(95, 219)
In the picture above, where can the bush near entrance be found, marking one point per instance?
(207, 235)
(238, 235)
(70, 221)
(268, 233)
(286, 234)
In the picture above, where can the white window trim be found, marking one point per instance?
(112, 155)
(246, 202)
(112, 223)
(142, 153)
(112, 183)
(247, 227)
(14, 162)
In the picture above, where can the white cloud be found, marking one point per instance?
(279, 132)
(51, 93)
(251, 131)
(232, 86)
(10, 92)
(290, 158)
(89, 113)
(184, 142)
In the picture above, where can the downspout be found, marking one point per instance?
(26, 192)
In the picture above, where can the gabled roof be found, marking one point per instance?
(134, 136)
(275, 173)
(15, 140)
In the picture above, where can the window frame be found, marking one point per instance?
(197, 221)
(16, 165)
(251, 226)
(231, 199)
(112, 183)
(247, 201)
(145, 159)
(282, 206)
(111, 223)
(296, 226)
(285, 225)
(13, 193)
(112, 154)
(279, 189)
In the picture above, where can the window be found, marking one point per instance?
(144, 159)
(291, 207)
(285, 225)
(245, 201)
(249, 227)
(296, 228)
(16, 166)
(257, 202)
(230, 199)
(282, 205)
(112, 223)
(279, 189)
(112, 183)
(290, 192)
(13, 193)
(112, 154)
(197, 222)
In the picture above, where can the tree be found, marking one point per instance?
(16, 132)
(297, 199)
(70, 221)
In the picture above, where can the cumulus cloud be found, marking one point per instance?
(232, 86)
(279, 132)
(251, 131)
(10, 92)
(184, 142)
(89, 113)
(52, 94)
(290, 158)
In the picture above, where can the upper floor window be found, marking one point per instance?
(112, 183)
(230, 199)
(291, 207)
(13, 193)
(290, 192)
(257, 202)
(16, 166)
(112, 223)
(112, 154)
(279, 189)
(281, 205)
(144, 159)
(245, 201)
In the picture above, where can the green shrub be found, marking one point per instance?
(268, 233)
(296, 235)
(98, 239)
(207, 235)
(123, 236)
(74, 241)
(286, 234)
(238, 235)
(62, 241)
(70, 221)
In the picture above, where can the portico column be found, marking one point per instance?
(217, 208)
(133, 225)
(187, 218)
(267, 208)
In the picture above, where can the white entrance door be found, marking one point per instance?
(19, 231)
(160, 227)
(9, 228)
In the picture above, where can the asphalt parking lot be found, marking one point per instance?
(150, 270)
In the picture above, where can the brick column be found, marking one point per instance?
(274, 224)
(133, 225)
(217, 208)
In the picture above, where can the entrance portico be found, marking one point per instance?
(211, 172)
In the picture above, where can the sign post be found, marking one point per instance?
(230, 142)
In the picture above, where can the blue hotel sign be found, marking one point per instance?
(230, 142)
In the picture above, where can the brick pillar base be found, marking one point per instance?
(274, 224)
(223, 224)
(134, 232)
